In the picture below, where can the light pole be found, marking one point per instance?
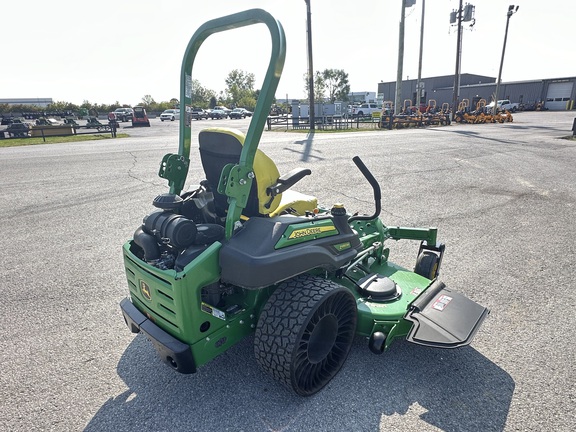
(456, 91)
(405, 4)
(418, 82)
(511, 11)
(400, 60)
(465, 14)
(310, 66)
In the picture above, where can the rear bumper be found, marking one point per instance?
(174, 353)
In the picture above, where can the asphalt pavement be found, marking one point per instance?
(501, 195)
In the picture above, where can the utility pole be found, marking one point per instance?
(418, 89)
(310, 66)
(465, 14)
(511, 11)
(400, 60)
(456, 92)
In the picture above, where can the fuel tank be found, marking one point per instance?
(266, 251)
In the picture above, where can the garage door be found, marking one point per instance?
(558, 95)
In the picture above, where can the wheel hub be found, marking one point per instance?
(322, 338)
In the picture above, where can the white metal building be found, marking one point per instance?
(41, 102)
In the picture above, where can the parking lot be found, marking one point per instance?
(501, 195)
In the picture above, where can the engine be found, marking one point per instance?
(179, 230)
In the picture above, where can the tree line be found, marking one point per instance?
(330, 84)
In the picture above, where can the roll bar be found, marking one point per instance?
(236, 180)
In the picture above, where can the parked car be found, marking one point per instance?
(170, 114)
(18, 129)
(124, 114)
(276, 111)
(504, 104)
(237, 113)
(218, 114)
(198, 114)
(223, 108)
(7, 120)
(366, 109)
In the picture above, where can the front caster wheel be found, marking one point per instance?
(427, 265)
(305, 332)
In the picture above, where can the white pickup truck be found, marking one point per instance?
(366, 109)
(505, 104)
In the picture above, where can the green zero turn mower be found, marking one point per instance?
(242, 253)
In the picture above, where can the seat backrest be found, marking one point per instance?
(221, 146)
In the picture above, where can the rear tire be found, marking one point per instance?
(305, 332)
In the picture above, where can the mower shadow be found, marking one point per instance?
(407, 388)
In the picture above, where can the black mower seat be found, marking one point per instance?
(269, 195)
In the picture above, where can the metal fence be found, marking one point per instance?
(60, 130)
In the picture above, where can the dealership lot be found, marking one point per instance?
(502, 196)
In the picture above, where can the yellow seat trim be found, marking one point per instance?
(296, 203)
(267, 174)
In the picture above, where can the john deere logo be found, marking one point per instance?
(145, 290)
(310, 231)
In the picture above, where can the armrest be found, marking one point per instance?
(288, 180)
(285, 182)
(294, 176)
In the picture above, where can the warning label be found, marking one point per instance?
(441, 302)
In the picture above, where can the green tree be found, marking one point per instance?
(94, 109)
(201, 96)
(61, 106)
(336, 82)
(147, 101)
(319, 87)
(240, 89)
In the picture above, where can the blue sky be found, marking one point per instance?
(107, 51)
